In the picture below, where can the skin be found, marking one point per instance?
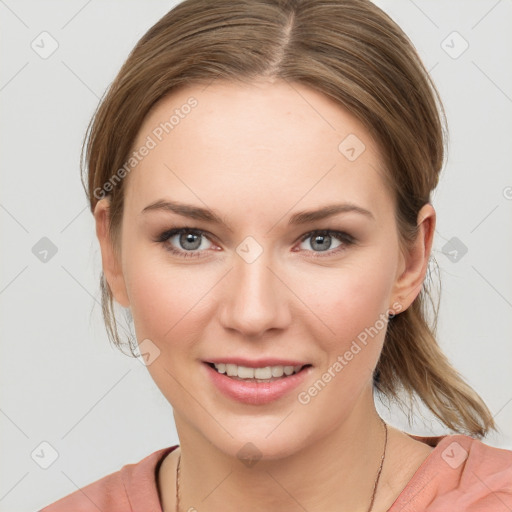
(255, 155)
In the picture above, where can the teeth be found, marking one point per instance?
(262, 373)
(244, 372)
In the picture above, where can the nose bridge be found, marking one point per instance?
(257, 301)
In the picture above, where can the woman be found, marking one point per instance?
(260, 174)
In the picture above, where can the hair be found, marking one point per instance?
(352, 52)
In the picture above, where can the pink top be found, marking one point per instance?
(460, 474)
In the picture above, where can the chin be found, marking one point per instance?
(261, 440)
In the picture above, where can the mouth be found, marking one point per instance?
(260, 382)
(257, 374)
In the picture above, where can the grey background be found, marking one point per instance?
(61, 382)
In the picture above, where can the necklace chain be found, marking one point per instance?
(374, 485)
(380, 467)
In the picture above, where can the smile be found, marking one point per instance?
(262, 374)
(256, 385)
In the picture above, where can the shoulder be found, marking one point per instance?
(461, 472)
(133, 487)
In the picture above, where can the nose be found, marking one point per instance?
(256, 298)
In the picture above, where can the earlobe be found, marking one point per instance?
(111, 266)
(409, 282)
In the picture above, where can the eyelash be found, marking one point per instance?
(345, 238)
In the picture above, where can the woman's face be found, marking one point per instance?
(252, 278)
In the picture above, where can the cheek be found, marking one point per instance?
(353, 306)
(170, 302)
(159, 294)
(349, 299)
(162, 303)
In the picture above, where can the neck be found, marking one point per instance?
(335, 472)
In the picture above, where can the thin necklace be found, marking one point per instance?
(374, 486)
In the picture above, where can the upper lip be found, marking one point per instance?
(257, 363)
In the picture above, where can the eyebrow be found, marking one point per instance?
(298, 218)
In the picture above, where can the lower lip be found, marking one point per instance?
(255, 393)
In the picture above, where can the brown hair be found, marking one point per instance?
(349, 50)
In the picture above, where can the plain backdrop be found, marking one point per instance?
(74, 404)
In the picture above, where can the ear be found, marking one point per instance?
(415, 260)
(111, 266)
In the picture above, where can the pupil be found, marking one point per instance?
(190, 238)
(324, 246)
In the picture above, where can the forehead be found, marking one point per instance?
(256, 146)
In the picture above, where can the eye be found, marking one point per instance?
(188, 242)
(184, 242)
(321, 242)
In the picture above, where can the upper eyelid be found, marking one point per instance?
(166, 235)
(197, 231)
(328, 232)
